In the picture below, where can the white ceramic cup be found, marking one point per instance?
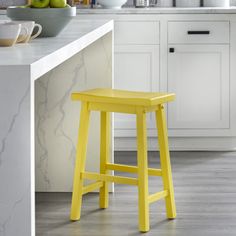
(9, 33)
(30, 25)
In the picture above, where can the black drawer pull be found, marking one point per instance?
(171, 50)
(199, 32)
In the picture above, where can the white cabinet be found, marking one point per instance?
(199, 75)
(198, 32)
(201, 72)
(137, 32)
(136, 69)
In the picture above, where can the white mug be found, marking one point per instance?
(30, 25)
(9, 33)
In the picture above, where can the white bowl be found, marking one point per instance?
(53, 20)
(114, 4)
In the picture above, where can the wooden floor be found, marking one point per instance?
(205, 188)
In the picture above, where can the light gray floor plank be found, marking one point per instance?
(205, 189)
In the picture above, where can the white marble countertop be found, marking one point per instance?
(43, 54)
(154, 10)
(159, 10)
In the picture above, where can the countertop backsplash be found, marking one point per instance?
(130, 2)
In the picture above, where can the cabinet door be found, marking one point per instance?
(199, 75)
(136, 69)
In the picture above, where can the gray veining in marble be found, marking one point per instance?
(14, 163)
(57, 116)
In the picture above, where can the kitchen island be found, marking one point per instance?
(37, 116)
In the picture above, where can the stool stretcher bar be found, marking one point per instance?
(157, 196)
(92, 187)
(109, 178)
(132, 169)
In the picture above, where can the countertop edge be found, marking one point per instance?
(57, 57)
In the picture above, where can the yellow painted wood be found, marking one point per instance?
(157, 196)
(154, 172)
(142, 172)
(112, 108)
(92, 187)
(80, 162)
(86, 2)
(132, 169)
(165, 162)
(113, 97)
(109, 178)
(105, 136)
(139, 103)
(119, 108)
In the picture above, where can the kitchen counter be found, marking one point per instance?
(159, 10)
(53, 51)
(154, 10)
(38, 122)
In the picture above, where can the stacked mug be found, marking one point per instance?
(12, 32)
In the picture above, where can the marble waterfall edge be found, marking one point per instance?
(15, 144)
(57, 117)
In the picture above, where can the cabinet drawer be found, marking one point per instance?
(136, 32)
(198, 32)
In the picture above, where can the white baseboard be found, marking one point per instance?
(181, 144)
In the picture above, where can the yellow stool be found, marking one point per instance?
(139, 103)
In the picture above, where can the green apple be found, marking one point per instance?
(58, 3)
(40, 3)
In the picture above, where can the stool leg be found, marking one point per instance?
(165, 162)
(104, 156)
(80, 162)
(142, 172)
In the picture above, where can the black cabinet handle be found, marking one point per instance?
(199, 32)
(171, 50)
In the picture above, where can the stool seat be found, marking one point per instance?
(106, 95)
